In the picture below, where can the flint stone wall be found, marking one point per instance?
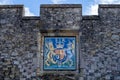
(99, 40)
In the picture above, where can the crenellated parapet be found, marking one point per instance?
(66, 16)
(61, 35)
(10, 13)
(109, 12)
(60, 13)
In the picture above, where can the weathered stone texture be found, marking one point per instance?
(18, 44)
(100, 44)
(61, 17)
(99, 40)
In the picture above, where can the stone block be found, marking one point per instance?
(99, 36)
(115, 37)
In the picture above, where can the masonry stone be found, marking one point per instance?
(99, 41)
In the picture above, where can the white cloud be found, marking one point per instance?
(93, 9)
(3, 2)
(57, 1)
(109, 1)
(8, 2)
(27, 12)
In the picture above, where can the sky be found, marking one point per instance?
(32, 7)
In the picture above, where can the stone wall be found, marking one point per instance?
(18, 44)
(99, 40)
(101, 46)
(61, 16)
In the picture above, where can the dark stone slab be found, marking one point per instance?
(109, 5)
(60, 6)
(95, 17)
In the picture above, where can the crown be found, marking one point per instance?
(60, 46)
(59, 43)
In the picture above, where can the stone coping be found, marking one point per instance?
(59, 30)
(61, 6)
(11, 6)
(91, 17)
(109, 5)
(31, 18)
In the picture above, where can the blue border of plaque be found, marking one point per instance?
(59, 53)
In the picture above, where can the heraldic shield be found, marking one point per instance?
(59, 53)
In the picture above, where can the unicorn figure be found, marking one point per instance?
(70, 53)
